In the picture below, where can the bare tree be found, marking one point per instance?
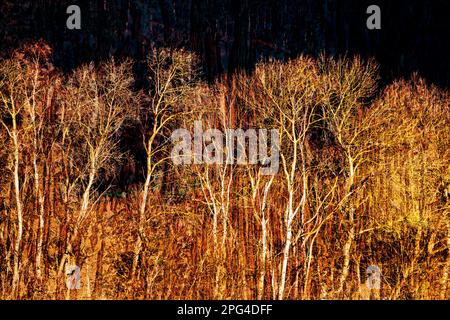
(11, 93)
(36, 99)
(346, 83)
(286, 95)
(97, 102)
(172, 75)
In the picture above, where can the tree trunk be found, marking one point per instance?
(16, 275)
(351, 233)
(142, 208)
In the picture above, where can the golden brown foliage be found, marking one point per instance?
(364, 179)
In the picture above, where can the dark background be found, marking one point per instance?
(234, 34)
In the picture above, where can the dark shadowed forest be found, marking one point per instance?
(90, 191)
(230, 35)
